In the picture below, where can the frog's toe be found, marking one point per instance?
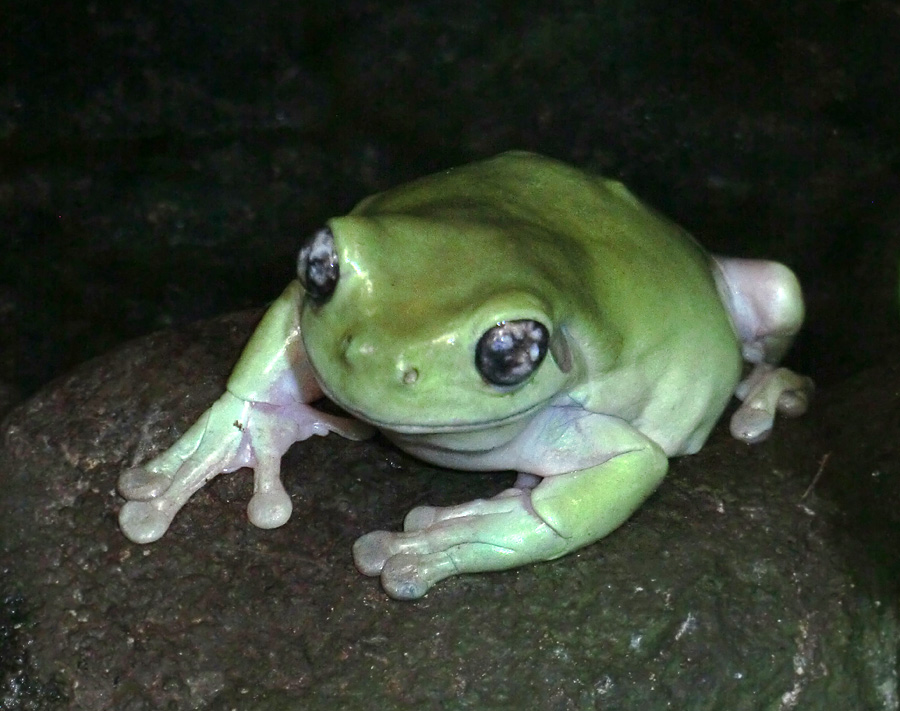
(419, 518)
(141, 484)
(143, 522)
(269, 509)
(751, 425)
(794, 403)
(768, 390)
(424, 518)
(371, 551)
(409, 576)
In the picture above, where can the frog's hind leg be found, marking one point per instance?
(765, 303)
(523, 524)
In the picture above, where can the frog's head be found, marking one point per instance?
(424, 324)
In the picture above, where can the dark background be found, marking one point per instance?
(160, 161)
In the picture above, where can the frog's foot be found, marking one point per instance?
(233, 433)
(764, 392)
(487, 534)
(521, 525)
(153, 491)
(423, 517)
(144, 518)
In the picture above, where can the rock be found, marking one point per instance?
(734, 587)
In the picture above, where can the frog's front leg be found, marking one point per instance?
(765, 303)
(263, 411)
(564, 512)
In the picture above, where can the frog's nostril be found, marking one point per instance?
(410, 376)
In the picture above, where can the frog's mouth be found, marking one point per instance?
(430, 427)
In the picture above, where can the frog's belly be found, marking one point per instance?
(485, 449)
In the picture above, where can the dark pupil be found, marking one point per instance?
(511, 351)
(318, 266)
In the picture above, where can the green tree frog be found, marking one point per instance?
(512, 314)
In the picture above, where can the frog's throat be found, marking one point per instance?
(432, 428)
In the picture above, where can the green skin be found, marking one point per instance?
(647, 333)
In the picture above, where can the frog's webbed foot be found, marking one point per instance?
(436, 543)
(766, 391)
(231, 434)
(523, 524)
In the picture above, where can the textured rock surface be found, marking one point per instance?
(729, 589)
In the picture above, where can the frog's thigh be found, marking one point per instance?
(563, 513)
(765, 303)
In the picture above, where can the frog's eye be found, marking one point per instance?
(317, 266)
(511, 351)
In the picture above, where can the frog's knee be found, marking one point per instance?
(765, 302)
(762, 297)
(784, 304)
